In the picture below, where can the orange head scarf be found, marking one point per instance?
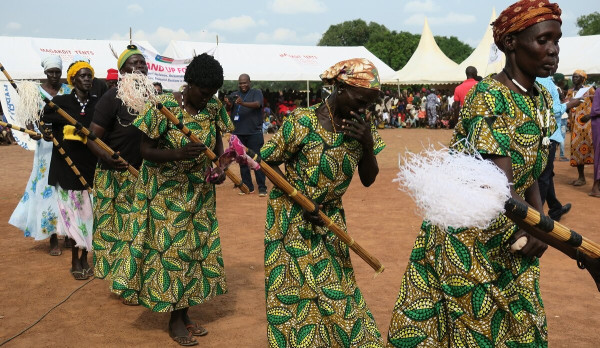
(521, 15)
(358, 72)
(582, 74)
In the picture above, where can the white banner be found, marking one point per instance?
(168, 71)
(10, 100)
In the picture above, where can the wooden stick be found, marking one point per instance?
(522, 213)
(309, 205)
(20, 129)
(208, 152)
(74, 122)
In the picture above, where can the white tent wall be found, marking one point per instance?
(579, 52)
(275, 62)
(21, 56)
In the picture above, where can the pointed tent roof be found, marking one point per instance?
(428, 64)
(481, 55)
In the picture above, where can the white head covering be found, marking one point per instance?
(50, 62)
(80, 58)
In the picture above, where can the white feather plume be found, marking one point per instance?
(135, 90)
(30, 106)
(454, 189)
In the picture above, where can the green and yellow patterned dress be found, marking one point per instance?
(174, 260)
(464, 288)
(312, 296)
(113, 196)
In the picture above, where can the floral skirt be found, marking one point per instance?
(37, 212)
(76, 217)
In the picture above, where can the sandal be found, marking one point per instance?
(578, 182)
(196, 330)
(185, 341)
(89, 271)
(55, 252)
(79, 275)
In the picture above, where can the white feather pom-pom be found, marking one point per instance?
(135, 90)
(29, 109)
(454, 189)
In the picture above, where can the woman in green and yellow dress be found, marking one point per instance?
(464, 287)
(175, 259)
(312, 297)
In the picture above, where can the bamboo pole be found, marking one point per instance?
(309, 205)
(20, 129)
(523, 214)
(74, 122)
(208, 152)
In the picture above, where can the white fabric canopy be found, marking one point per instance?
(428, 64)
(275, 62)
(579, 52)
(480, 57)
(21, 56)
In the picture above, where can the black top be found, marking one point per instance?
(246, 120)
(82, 157)
(119, 135)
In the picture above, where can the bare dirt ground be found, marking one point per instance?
(380, 217)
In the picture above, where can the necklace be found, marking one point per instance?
(515, 81)
(544, 119)
(83, 105)
(330, 117)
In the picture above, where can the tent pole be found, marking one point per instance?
(307, 94)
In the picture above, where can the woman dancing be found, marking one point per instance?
(464, 287)
(312, 297)
(175, 257)
(37, 212)
(75, 207)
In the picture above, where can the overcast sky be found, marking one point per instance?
(294, 22)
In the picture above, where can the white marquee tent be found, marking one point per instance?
(21, 56)
(275, 62)
(428, 64)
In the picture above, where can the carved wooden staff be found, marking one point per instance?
(74, 122)
(62, 152)
(522, 213)
(310, 206)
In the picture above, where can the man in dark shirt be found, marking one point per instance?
(246, 113)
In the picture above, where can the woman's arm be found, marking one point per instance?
(115, 163)
(150, 151)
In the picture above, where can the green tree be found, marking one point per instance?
(393, 48)
(589, 24)
(453, 48)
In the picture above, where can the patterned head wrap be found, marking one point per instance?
(521, 15)
(358, 72)
(50, 62)
(129, 51)
(75, 67)
(582, 74)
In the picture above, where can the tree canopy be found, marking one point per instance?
(589, 24)
(393, 48)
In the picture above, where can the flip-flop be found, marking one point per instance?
(89, 271)
(196, 330)
(578, 182)
(55, 252)
(185, 341)
(597, 195)
(79, 275)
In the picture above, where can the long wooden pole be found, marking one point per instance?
(20, 129)
(208, 152)
(309, 205)
(523, 214)
(74, 122)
